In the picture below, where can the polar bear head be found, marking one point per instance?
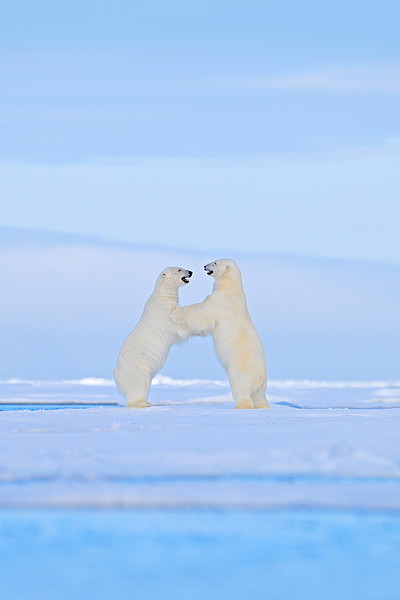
(224, 269)
(175, 277)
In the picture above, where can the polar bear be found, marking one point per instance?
(237, 344)
(146, 348)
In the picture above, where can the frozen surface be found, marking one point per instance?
(190, 499)
(321, 445)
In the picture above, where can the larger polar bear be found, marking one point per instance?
(237, 344)
(146, 348)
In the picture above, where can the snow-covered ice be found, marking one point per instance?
(322, 444)
(195, 500)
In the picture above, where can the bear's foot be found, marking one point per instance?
(246, 403)
(138, 404)
(261, 404)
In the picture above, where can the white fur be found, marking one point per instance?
(237, 344)
(146, 348)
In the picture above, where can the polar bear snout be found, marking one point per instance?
(186, 277)
(208, 268)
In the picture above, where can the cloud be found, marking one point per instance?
(367, 78)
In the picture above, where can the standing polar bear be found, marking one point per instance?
(146, 348)
(237, 344)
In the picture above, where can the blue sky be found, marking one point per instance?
(68, 302)
(270, 127)
(216, 129)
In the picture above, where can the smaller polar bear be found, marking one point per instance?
(237, 344)
(146, 348)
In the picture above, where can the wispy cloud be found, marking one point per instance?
(369, 78)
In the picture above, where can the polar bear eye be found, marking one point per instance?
(179, 270)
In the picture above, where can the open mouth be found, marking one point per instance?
(185, 278)
(208, 271)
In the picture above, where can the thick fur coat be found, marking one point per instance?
(237, 344)
(146, 348)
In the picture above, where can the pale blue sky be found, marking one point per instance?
(251, 125)
(67, 303)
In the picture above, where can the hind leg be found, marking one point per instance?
(138, 390)
(134, 402)
(241, 394)
(137, 396)
(244, 403)
(133, 380)
(259, 399)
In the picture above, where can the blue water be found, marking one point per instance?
(199, 555)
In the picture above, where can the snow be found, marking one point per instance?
(191, 499)
(321, 445)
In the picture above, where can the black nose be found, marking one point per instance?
(190, 273)
(205, 267)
